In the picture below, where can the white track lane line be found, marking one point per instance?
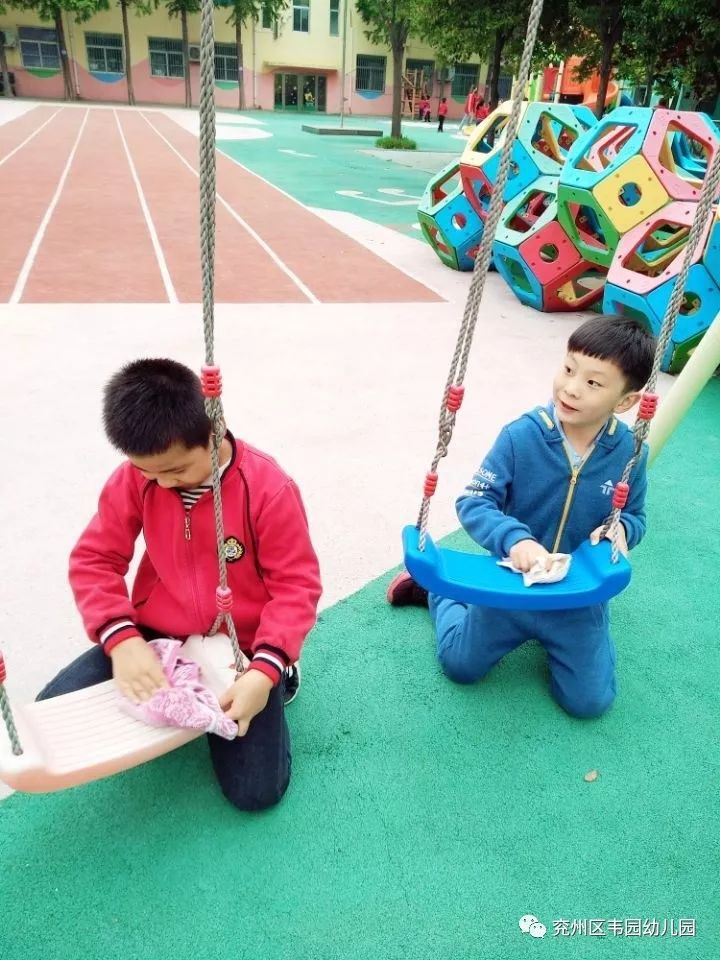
(38, 238)
(253, 173)
(162, 264)
(270, 252)
(28, 139)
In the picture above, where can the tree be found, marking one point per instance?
(142, 8)
(663, 42)
(7, 92)
(51, 11)
(593, 31)
(181, 8)
(389, 22)
(240, 11)
(668, 44)
(494, 31)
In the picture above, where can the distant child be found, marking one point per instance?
(470, 104)
(442, 113)
(481, 111)
(425, 110)
(154, 414)
(545, 487)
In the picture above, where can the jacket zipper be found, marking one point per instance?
(187, 533)
(574, 474)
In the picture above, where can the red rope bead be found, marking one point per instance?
(3, 671)
(455, 398)
(620, 496)
(648, 406)
(211, 381)
(224, 599)
(430, 486)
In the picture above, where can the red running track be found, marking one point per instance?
(117, 222)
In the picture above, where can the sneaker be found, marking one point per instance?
(404, 592)
(292, 682)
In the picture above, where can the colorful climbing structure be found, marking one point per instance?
(596, 212)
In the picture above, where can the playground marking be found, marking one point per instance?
(397, 192)
(233, 213)
(162, 264)
(296, 153)
(407, 201)
(28, 139)
(226, 127)
(38, 238)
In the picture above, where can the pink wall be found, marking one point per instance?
(45, 88)
(382, 105)
(356, 102)
(171, 90)
(148, 89)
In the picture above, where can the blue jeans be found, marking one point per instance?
(253, 771)
(581, 653)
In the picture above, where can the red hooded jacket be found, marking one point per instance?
(272, 568)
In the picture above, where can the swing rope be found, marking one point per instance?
(211, 378)
(454, 389)
(7, 714)
(649, 400)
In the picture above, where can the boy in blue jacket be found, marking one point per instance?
(544, 487)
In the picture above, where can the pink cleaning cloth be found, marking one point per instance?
(186, 702)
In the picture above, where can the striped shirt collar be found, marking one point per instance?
(190, 497)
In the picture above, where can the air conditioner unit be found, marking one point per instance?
(446, 75)
(10, 38)
(194, 52)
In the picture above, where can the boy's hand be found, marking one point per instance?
(526, 553)
(246, 698)
(621, 538)
(136, 669)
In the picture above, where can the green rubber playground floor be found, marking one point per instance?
(313, 168)
(424, 819)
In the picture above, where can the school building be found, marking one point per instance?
(292, 63)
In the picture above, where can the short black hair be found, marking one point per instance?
(622, 340)
(151, 404)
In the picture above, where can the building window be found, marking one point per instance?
(104, 52)
(166, 57)
(334, 18)
(266, 19)
(370, 73)
(466, 76)
(39, 48)
(301, 16)
(226, 61)
(425, 67)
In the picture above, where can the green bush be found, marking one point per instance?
(395, 143)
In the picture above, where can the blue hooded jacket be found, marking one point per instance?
(527, 488)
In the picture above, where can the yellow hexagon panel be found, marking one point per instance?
(630, 194)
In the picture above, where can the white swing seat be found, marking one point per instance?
(86, 735)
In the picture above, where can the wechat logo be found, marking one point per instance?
(530, 924)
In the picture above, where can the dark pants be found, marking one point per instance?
(253, 771)
(441, 121)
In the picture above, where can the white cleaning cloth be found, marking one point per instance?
(538, 573)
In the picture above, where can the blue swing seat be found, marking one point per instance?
(477, 579)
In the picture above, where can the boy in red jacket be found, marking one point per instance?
(154, 413)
